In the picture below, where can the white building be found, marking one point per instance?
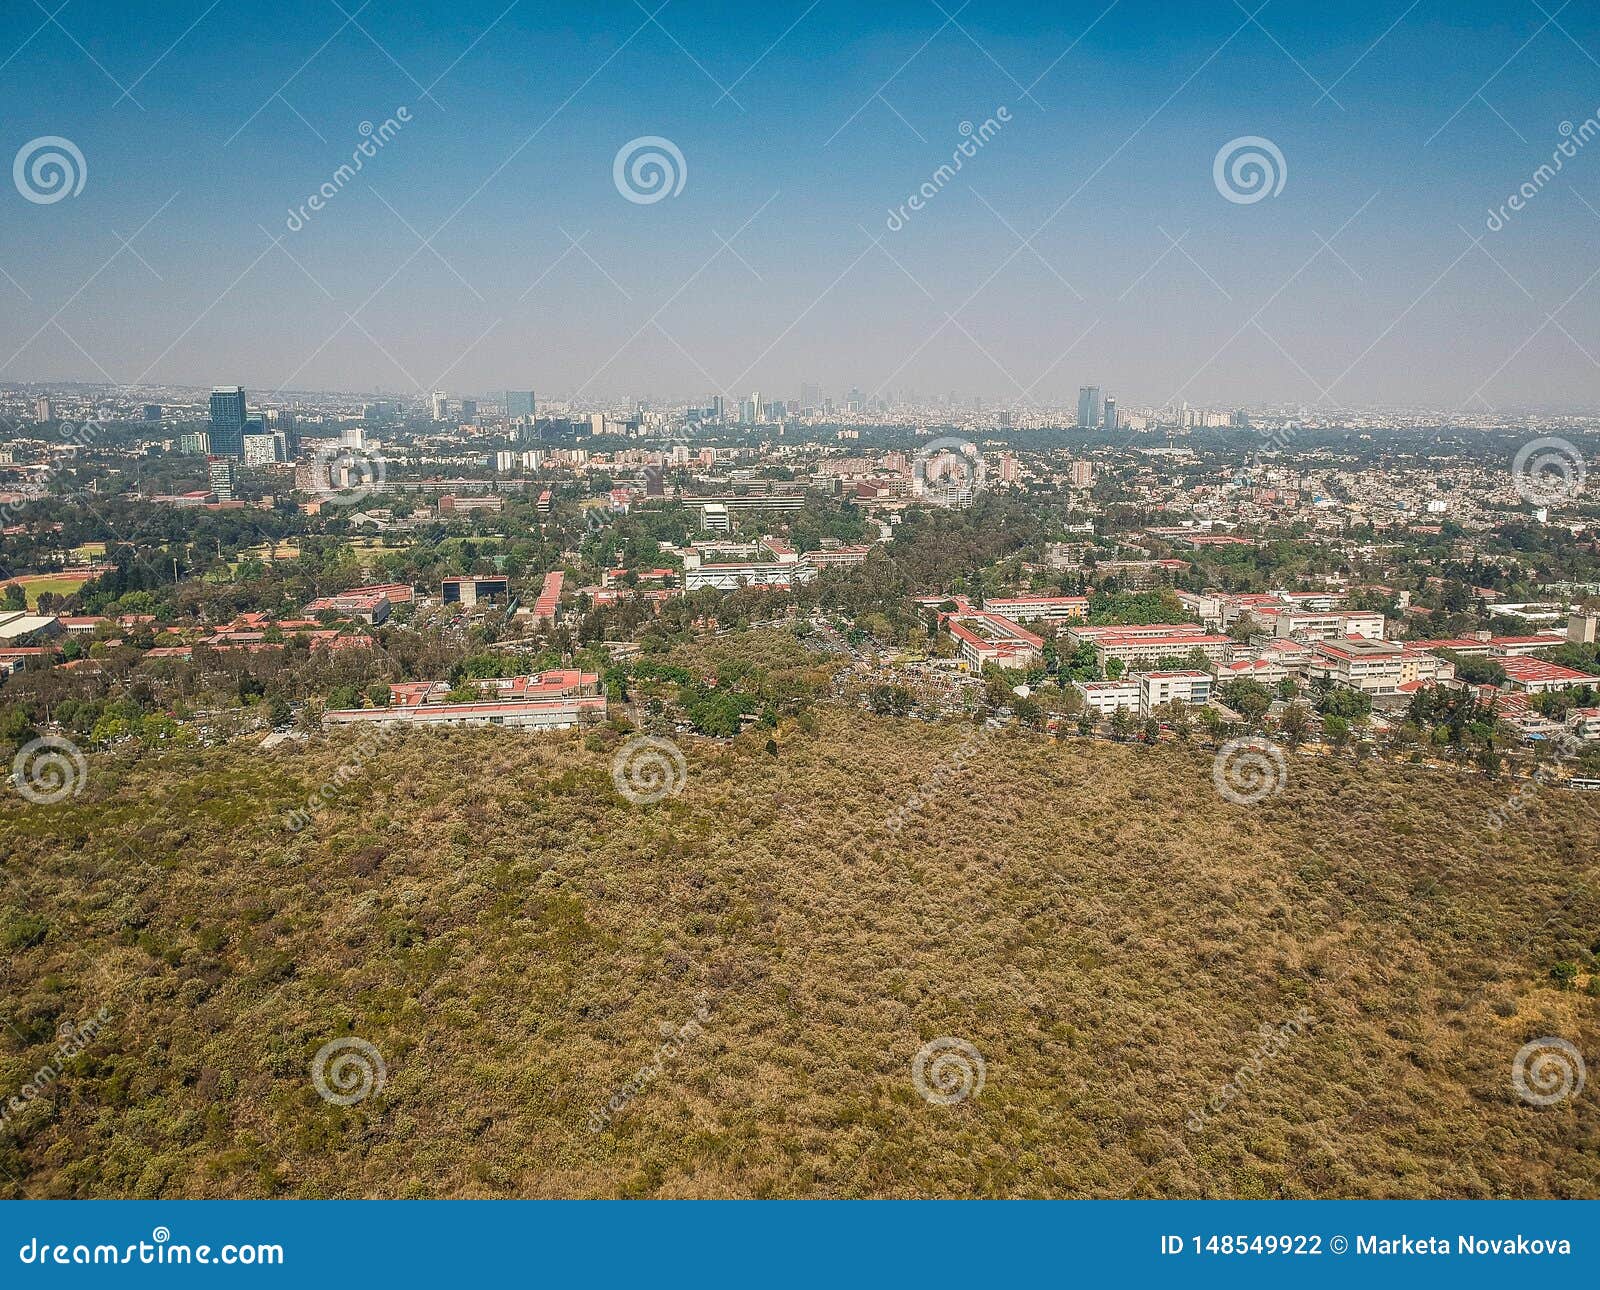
(1371, 666)
(1106, 697)
(1192, 687)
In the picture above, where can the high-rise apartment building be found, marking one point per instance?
(440, 405)
(1111, 414)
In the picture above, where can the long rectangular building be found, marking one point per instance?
(562, 713)
(990, 638)
(1152, 649)
(1052, 609)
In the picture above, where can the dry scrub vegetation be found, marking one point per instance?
(513, 937)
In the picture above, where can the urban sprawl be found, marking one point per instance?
(190, 565)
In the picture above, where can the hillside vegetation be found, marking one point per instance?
(519, 942)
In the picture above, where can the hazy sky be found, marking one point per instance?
(802, 129)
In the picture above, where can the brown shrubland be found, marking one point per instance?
(515, 939)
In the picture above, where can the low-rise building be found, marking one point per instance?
(1050, 609)
(984, 637)
(1189, 686)
(1106, 697)
(1356, 663)
(548, 605)
(1535, 676)
(18, 627)
(467, 592)
(1267, 670)
(1584, 723)
(1135, 649)
(369, 606)
(835, 557)
(773, 565)
(560, 713)
(1303, 624)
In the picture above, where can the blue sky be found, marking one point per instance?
(802, 128)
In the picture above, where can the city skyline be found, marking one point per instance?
(812, 221)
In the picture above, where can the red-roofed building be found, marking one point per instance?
(989, 638)
(1520, 646)
(1535, 676)
(1356, 663)
(370, 607)
(548, 604)
(558, 713)
(398, 593)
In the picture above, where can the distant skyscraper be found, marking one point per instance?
(469, 409)
(227, 420)
(1088, 406)
(152, 412)
(755, 404)
(810, 395)
(1111, 414)
(440, 405)
(719, 408)
(42, 411)
(519, 403)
